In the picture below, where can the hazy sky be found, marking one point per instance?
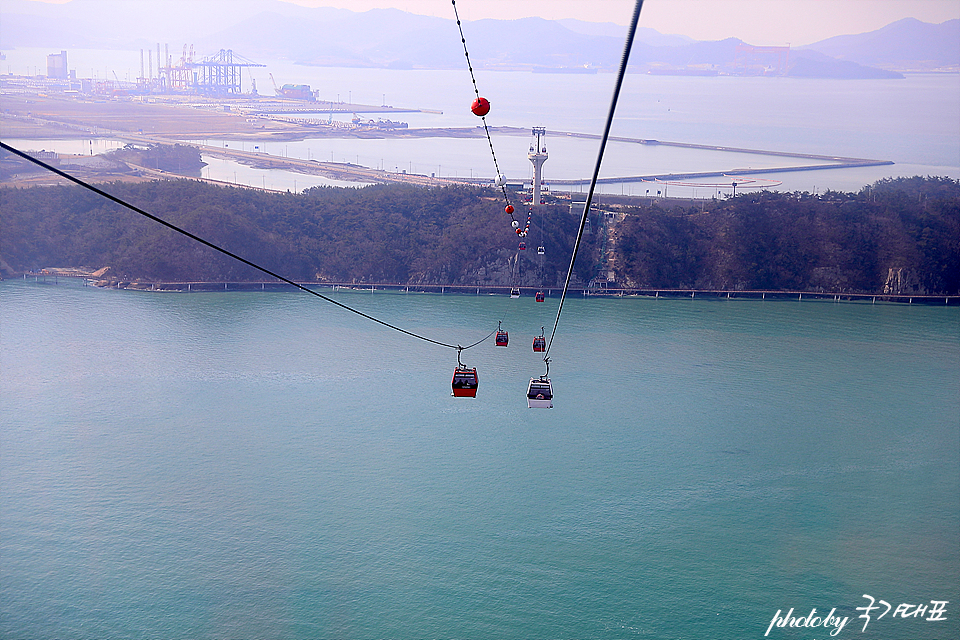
(759, 22)
(755, 21)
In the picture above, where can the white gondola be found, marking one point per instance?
(540, 393)
(515, 292)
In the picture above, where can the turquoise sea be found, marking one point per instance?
(265, 465)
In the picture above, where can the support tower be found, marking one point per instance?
(538, 155)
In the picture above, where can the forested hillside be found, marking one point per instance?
(382, 234)
(897, 236)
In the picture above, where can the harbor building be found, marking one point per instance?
(57, 65)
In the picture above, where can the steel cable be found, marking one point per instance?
(496, 165)
(209, 244)
(596, 172)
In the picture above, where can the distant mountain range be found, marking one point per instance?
(389, 38)
(905, 45)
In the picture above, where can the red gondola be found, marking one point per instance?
(540, 296)
(540, 343)
(465, 382)
(523, 245)
(503, 338)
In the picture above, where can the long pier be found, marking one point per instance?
(822, 161)
(325, 107)
(352, 172)
(355, 172)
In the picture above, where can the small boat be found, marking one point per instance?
(540, 393)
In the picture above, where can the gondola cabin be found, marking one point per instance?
(540, 250)
(523, 246)
(465, 382)
(503, 338)
(540, 393)
(539, 344)
(515, 292)
(540, 296)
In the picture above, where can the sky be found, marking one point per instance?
(759, 22)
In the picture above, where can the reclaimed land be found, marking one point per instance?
(165, 121)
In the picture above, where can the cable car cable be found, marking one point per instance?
(483, 118)
(207, 243)
(596, 172)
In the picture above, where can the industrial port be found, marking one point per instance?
(213, 82)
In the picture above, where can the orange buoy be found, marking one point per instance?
(480, 107)
(508, 208)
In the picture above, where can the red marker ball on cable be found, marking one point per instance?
(508, 208)
(480, 107)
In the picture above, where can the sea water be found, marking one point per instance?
(214, 465)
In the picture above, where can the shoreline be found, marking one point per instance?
(492, 290)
